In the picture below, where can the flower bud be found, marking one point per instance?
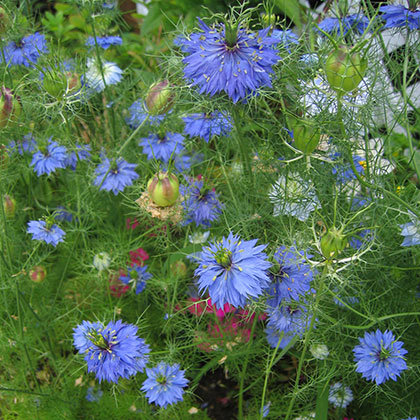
(306, 137)
(160, 98)
(9, 206)
(101, 261)
(332, 243)
(319, 351)
(163, 189)
(345, 70)
(10, 106)
(55, 83)
(38, 274)
(179, 269)
(4, 20)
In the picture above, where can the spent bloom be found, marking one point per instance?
(293, 196)
(340, 396)
(115, 176)
(46, 231)
(104, 42)
(356, 23)
(97, 80)
(233, 271)
(113, 351)
(49, 158)
(379, 356)
(201, 204)
(162, 147)
(397, 16)
(207, 126)
(229, 58)
(164, 384)
(137, 276)
(411, 231)
(26, 51)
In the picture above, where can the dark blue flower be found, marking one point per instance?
(137, 276)
(289, 317)
(341, 26)
(104, 42)
(94, 394)
(47, 159)
(398, 16)
(115, 176)
(230, 59)
(81, 153)
(208, 125)
(138, 113)
(379, 356)
(25, 52)
(27, 144)
(360, 239)
(273, 336)
(61, 214)
(113, 351)
(162, 147)
(201, 205)
(46, 231)
(293, 276)
(233, 271)
(345, 172)
(164, 384)
(411, 231)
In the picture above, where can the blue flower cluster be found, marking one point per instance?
(113, 351)
(207, 126)
(233, 271)
(356, 23)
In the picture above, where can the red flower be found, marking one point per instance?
(139, 256)
(117, 287)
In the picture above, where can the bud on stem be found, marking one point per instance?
(163, 189)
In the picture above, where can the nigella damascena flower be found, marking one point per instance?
(380, 357)
(356, 23)
(97, 80)
(207, 126)
(136, 276)
(411, 231)
(340, 396)
(115, 176)
(81, 153)
(27, 144)
(285, 38)
(162, 147)
(344, 171)
(398, 16)
(46, 231)
(113, 351)
(49, 158)
(292, 275)
(233, 271)
(26, 51)
(138, 113)
(293, 196)
(164, 384)
(229, 58)
(201, 204)
(104, 42)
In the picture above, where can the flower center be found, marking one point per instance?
(412, 5)
(161, 379)
(98, 340)
(224, 258)
(231, 35)
(383, 354)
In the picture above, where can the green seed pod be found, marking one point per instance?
(10, 107)
(55, 83)
(332, 243)
(306, 137)
(163, 189)
(160, 98)
(38, 274)
(9, 206)
(345, 70)
(4, 20)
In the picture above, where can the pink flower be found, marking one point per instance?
(139, 256)
(117, 287)
(131, 223)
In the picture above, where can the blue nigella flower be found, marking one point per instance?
(104, 42)
(411, 231)
(112, 75)
(25, 52)
(46, 231)
(162, 147)
(340, 396)
(379, 356)
(137, 276)
(398, 16)
(360, 239)
(411, 418)
(94, 394)
(273, 336)
(81, 153)
(341, 26)
(47, 159)
(233, 271)
(293, 276)
(229, 58)
(285, 38)
(113, 351)
(208, 125)
(266, 409)
(115, 176)
(138, 113)
(61, 214)
(164, 384)
(345, 172)
(27, 144)
(201, 204)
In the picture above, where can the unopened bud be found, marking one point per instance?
(345, 70)
(10, 106)
(9, 206)
(332, 243)
(38, 274)
(160, 98)
(163, 189)
(101, 261)
(306, 137)
(4, 20)
(179, 269)
(319, 351)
